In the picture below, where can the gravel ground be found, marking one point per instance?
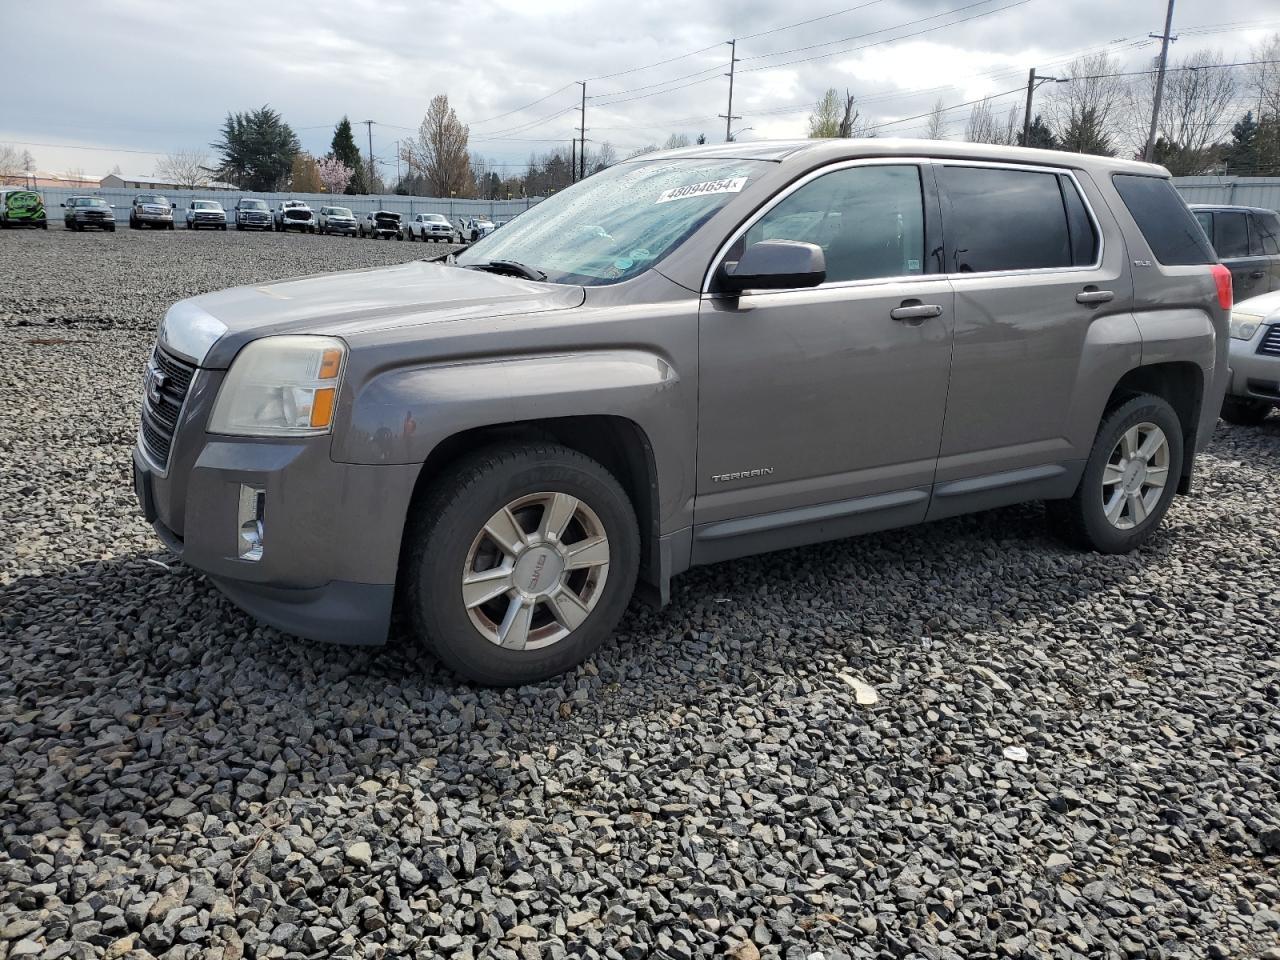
(955, 741)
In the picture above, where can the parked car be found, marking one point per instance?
(381, 223)
(758, 349)
(475, 228)
(295, 215)
(1254, 360)
(250, 213)
(206, 213)
(151, 210)
(430, 226)
(83, 212)
(20, 207)
(1247, 240)
(337, 220)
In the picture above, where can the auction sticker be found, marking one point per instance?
(727, 185)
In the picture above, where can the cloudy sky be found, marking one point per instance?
(96, 85)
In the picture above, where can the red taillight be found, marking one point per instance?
(1222, 277)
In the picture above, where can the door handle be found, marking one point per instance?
(1257, 275)
(914, 310)
(1094, 296)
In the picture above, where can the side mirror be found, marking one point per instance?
(776, 265)
(62, 204)
(174, 205)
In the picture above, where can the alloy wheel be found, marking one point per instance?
(535, 571)
(1135, 475)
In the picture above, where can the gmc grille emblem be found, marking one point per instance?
(154, 384)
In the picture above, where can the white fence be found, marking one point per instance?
(454, 208)
(1240, 191)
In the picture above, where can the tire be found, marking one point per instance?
(1082, 520)
(447, 534)
(111, 229)
(1244, 412)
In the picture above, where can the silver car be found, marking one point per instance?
(1255, 360)
(337, 220)
(151, 210)
(430, 226)
(206, 214)
(686, 358)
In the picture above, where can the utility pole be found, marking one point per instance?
(1026, 118)
(729, 117)
(582, 134)
(1164, 38)
(573, 161)
(397, 163)
(1033, 84)
(369, 125)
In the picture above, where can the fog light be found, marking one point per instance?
(253, 501)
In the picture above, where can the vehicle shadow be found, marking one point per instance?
(139, 664)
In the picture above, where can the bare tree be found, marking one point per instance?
(641, 151)
(605, 157)
(75, 175)
(440, 151)
(12, 169)
(1197, 98)
(937, 122)
(676, 141)
(1087, 112)
(981, 125)
(185, 168)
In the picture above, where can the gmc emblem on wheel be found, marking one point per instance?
(742, 474)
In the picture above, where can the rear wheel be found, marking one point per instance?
(1244, 412)
(521, 562)
(1129, 479)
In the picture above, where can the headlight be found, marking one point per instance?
(281, 387)
(1244, 325)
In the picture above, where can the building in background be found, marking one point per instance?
(131, 182)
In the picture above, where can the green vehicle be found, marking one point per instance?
(21, 208)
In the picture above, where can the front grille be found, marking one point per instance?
(162, 406)
(1270, 344)
(389, 223)
(298, 214)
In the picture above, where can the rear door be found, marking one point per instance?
(1024, 252)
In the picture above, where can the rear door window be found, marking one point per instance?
(1173, 234)
(1084, 236)
(1267, 227)
(1001, 219)
(1231, 234)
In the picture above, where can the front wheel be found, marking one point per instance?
(1244, 412)
(521, 562)
(1129, 479)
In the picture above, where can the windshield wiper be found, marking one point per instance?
(513, 267)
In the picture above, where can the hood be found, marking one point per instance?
(1263, 306)
(211, 328)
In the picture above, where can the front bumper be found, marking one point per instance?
(1254, 375)
(145, 217)
(287, 224)
(340, 226)
(331, 531)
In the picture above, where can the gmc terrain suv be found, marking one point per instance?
(689, 357)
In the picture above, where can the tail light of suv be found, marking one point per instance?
(1222, 278)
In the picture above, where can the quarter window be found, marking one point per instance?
(869, 222)
(1231, 235)
(1267, 228)
(1167, 225)
(1005, 220)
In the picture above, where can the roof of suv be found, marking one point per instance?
(857, 148)
(1229, 206)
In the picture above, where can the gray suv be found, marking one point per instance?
(689, 357)
(1247, 240)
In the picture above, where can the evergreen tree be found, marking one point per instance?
(344, 148)
(1241, 154)
(1085, 134)
(257, 149)
(1041, 137)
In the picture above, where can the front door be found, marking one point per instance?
(820, 409)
